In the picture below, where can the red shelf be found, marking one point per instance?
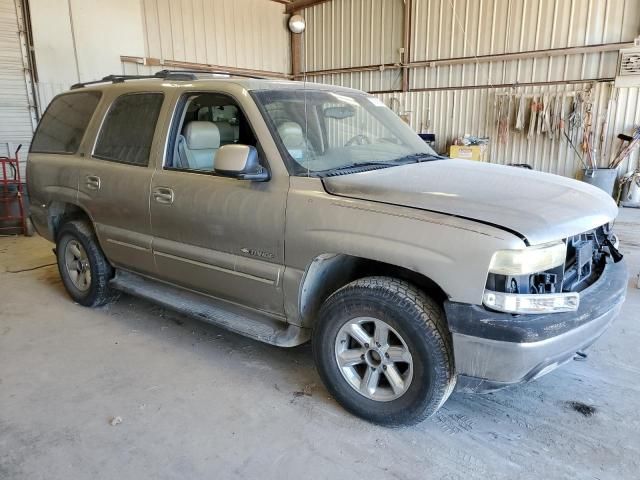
(11, 194)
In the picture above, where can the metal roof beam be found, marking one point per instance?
(302, 4)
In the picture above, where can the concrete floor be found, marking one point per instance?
(199, 402)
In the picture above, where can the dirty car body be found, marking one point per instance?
(495, 349)
(339, 190)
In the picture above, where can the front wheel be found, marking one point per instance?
(382, 349)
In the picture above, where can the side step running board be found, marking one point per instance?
(212, 310)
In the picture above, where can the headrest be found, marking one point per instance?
(228, 132)
(291, 135)
(202, 135)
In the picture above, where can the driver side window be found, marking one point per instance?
(208, 121)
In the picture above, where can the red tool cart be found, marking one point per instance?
(13, 218)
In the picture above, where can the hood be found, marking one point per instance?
(540, 207)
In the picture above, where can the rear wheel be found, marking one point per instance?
(382, 349)
(84, 270)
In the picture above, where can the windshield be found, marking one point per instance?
(324, 131)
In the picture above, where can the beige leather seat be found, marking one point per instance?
(293, 139)
(198, 145)
(228, 132)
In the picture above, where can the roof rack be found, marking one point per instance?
(214, 72)
(164, 75)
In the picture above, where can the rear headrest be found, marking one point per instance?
(228, 132)
(291, 135)
(201, 135)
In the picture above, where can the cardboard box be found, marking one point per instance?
(471, 152)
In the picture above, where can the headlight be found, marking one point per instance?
(528, 260)
(531, 303)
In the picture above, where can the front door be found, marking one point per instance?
(115, 180)
(219, 236)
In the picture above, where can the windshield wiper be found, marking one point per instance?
(413, 158)
(358, 165)
(419, 157)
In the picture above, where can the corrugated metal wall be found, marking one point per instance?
(348, 33)
(82, 40)
(15, 111)
(464, 28)
(237, 33)
(474, 111)
(447, 29)
(240, 33)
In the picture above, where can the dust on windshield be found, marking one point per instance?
(323, 131)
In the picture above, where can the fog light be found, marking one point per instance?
(531, 303)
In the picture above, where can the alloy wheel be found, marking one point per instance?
(374, 359)
(77, 265)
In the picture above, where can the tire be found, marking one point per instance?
(92, 290)
(402, 392)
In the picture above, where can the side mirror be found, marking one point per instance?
(241, 162)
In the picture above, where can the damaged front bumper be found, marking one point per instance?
(493, 350)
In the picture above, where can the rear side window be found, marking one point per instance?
(127, 131)
(62, 127)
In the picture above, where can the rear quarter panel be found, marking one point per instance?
(50, 177)
(54, 177)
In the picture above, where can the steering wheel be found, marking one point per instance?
(358, 140)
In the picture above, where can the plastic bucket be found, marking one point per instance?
(631, 194)
(603, 178)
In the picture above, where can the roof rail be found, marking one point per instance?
(164, 75)
(230, 73)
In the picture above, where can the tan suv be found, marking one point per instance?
(290, 212)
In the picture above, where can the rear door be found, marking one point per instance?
(114, 181)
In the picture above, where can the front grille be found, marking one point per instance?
(585, 259)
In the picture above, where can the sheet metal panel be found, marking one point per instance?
(348, 33)
(465, 28)
(452, 113)
(339, 34)
(240, 33)
(15, 112)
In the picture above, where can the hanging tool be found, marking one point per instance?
(542, 107)
(557, 112)
(575, 149)
(548, 112)
(520, 113)
(587, 133)
(503, 115)
(532, 118)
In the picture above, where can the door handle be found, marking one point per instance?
(93, 182)
(163, 195)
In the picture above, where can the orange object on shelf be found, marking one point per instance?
(467, 152)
